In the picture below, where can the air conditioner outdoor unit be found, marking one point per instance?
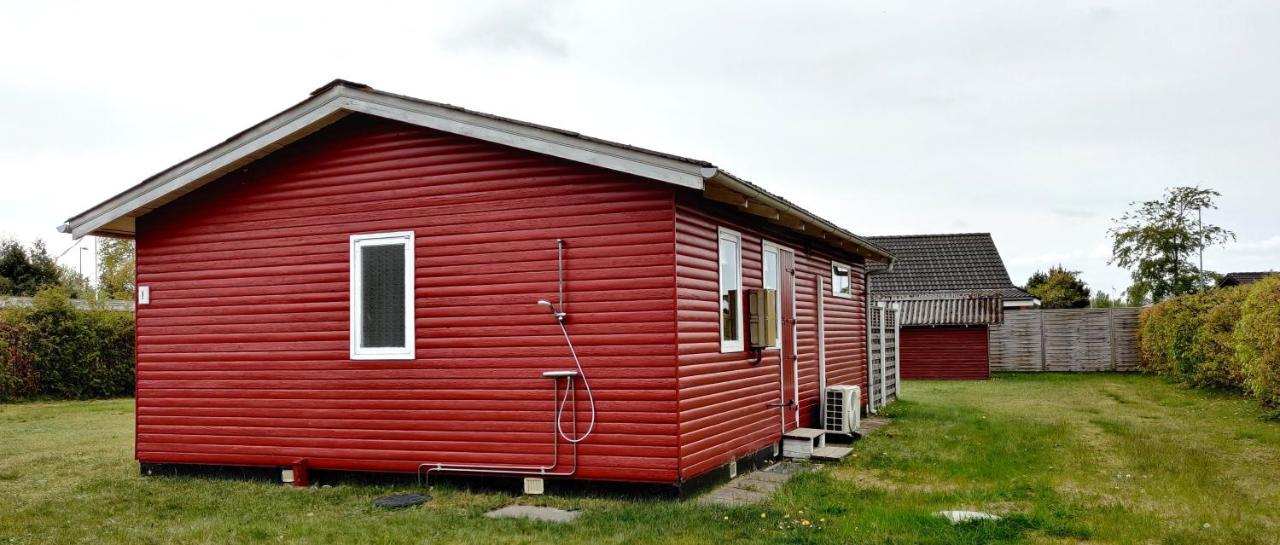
(843, 409)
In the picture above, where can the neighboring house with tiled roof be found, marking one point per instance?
(949, 289)
(945, 265)
(1242, 278)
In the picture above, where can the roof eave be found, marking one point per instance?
(340, 99)
(867, 248)
(115, 216)
(242, 148)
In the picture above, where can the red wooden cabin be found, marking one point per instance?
(354, 284)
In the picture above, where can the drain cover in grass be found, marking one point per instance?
(397, 501)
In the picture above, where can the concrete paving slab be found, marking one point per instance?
(956, 517)
(753, 487)
(532, 512)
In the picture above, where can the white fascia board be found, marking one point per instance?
(522, 136)
(334, 103)
(193, 170)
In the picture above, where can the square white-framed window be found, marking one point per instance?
(841, 280)
(730, 258)
(771, 274)
(382, 296)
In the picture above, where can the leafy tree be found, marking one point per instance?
(23, 272)
(115, 268)
(1158, 240)
(1136, 296)
(1102, 299)
(74, 284)
(1059, 288)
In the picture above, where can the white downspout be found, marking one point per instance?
(822, 356)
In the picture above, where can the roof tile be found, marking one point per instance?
(967, 263)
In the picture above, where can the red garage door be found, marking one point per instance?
(945, 353)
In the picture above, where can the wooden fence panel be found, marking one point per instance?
(1124, 327)
(1015, 344)
(882, 352)
(1067, 340)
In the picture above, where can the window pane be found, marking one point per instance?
(840, 281)
(770, 270)
(730, 279)
(382, 296)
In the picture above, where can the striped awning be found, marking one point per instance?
(947, 308)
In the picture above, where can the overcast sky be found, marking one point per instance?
(1036, 122)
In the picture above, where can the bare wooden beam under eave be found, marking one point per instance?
(725, 195)
(762, 210)
(790, 222)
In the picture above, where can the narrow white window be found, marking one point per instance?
(382, 296)
(771, 263)
(730, 291)
(841, 280)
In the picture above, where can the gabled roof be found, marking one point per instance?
(339, 98)
(953, 265)
(1242, 278)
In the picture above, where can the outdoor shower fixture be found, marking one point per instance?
(559, 404)
(560, 316)
(569, 377)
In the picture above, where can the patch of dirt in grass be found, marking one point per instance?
(1053, 540)
(868, 478)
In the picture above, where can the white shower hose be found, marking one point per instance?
(591, 399)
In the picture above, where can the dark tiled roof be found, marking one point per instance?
(963, 263)
(1242, 278)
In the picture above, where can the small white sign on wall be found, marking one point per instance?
(144, 295)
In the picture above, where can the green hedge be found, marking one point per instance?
(1223, 338)
(1257, 340)
(54, 350)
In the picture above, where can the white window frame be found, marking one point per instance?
(408, 351)
(737, 345)
(777, 250)
(835, 265)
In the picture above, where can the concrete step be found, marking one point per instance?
(801, 442)
(804, 433)
(831, 454)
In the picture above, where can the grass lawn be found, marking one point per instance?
(1065, 459)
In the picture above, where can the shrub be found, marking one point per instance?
(1152, 339)
(1167, 334)
(56, 350)
(1213, 347)
(1257, 340)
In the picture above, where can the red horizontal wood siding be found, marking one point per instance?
(243, 351)
(724, 398)
(945, 353)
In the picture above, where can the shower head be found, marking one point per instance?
(558, 314)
